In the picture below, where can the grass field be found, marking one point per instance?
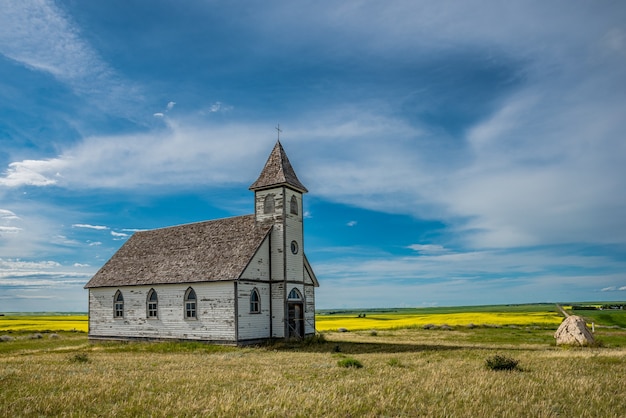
(410, 372)
(406, 372)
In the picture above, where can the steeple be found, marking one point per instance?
(278, 172)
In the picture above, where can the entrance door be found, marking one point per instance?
(296, 319)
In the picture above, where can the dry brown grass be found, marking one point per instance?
(406, 373)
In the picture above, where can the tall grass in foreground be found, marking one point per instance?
(412, 372)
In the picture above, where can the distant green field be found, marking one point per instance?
(604, 317)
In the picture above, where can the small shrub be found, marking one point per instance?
(6, 338)
(350, 363)
(446, 327)
(394, 362)
(314, 339)
(499, 362)
(373, 333)
(342, 329)
(36, 336)
(53, 336)
(429, 326)
(79, 358)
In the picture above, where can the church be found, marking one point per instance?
(240, 280)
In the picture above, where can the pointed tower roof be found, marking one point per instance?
(278, 171)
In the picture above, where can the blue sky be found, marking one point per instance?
(456, 153)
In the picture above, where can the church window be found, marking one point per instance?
(118, 305)
(294, 294)
(268, 204)
(293, 205)
(190, 304)
(255, 301)
(153, 304)
(294, 247)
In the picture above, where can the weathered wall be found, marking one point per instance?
(215, 313)
(252, 326)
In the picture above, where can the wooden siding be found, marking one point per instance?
(215, 313)
(309, 312)
(253, 326)
(278, 310)
(294, 232)
(259, 266)
(259, 205)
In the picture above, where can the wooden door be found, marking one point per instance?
(296, 319)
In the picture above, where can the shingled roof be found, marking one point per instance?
(278, 171)
(204, 251)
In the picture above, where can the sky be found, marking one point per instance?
(455, 153)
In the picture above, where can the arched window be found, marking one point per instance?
(153, 304)
(255, 301)
(190, 304)
(294, 294)
(293, 205)
(268, 204)
(118, 305)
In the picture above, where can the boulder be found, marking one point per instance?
(573, 331)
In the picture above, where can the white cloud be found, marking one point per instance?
(97, 227)
(32, 173)
(218, 107)
(158, 115)
(7, 215)
(351, 223)
(9, 229)
(17, 265)
(171, 105)
(428, 248)
(41, 36)
(193, 154)
(119, 234)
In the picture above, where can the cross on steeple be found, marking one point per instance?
(278, 130)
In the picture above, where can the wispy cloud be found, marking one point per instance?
(428, 248)
(9, 229)
(7, 215)
(41, 36)
(97, 227)
(119, 235)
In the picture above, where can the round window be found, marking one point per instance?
(294, 247)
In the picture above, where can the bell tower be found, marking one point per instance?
(278, 201)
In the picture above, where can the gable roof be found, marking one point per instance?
(204, 251)
(278, 171)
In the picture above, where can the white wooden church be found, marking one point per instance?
(239, 280)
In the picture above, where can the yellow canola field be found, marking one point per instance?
(44, 323)
(322, 322)
(382, 321)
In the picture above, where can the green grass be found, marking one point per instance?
(604, 317)
(410, 372)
